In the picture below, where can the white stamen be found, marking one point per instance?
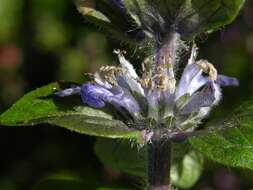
(99, 80)
(126, 65)
(194, 54)
(129, 74)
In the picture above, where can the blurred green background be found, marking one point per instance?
(42, 41)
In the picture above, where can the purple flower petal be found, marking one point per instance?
(95, 95)
(129, 83)
(223, 80)
(129, 78)
(190, 81)
(209, 96)
(153, 103)
(123, 98)
(69, 91)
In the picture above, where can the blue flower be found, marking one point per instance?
(157, 96)
(97, 96)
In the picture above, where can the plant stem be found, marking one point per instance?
(167, 51)
(166, 60)
(159, 160)
(159, 150)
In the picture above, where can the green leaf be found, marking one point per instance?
(41, 106)
(87, 8)
(211, 15)
(122, 156)
(70, 184)
(53, 184)
(190, 17)
(108, 17)
(135, 20)
(230, 142)
(128, 158)
(185, 174)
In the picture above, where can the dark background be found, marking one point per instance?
(42, 41)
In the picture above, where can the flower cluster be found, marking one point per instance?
(156, 98)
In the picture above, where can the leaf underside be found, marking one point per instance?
(41, 106)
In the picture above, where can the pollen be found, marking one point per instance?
(146, 83)
(163, 81)
(109, 72)
(208, 68)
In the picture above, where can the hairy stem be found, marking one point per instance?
(159, 160)
(166, 60)
(159, 150)
(167, 51)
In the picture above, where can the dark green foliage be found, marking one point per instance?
(111, 18)
(41, 106)
(54, 184)
(157, 18)
(71, 184)
(232, 143)
(122, 156)
(126, 157)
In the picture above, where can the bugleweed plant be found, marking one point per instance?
(158, 109)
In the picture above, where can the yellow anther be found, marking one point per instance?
(164, 82)
(108, 73)
(208, 68)
(146, 83)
